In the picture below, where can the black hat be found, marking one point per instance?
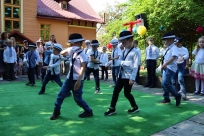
(168, 35)
(32, 45)
(75, 37)
(125, 35)
(95, 43)
(176, 40)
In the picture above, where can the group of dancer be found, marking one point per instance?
(125, 68)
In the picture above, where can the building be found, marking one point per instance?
(33, 19)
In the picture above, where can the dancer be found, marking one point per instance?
(104, 60)
(53, 68)
(127, 74)
(93, 64)
(169, 67)
(74, 79)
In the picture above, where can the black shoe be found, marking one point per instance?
(8, 79)
(32, 85)
(165, 101)
(152, 86)
(88, 78)
(106, 79)
(133, 110)
(55, 114)
(86, 114)
(110, 111)
(178, 100)
(28, 83)
(102, 79)
(41, 92)
(202, 94)
(196, 93)
(146, 85)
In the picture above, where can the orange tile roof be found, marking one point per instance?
(76, 10)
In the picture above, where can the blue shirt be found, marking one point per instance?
(32, 58)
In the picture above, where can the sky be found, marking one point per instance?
(99, 5)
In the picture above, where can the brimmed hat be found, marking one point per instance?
(95, 43)
(114, 41)
(24, 41)
(87, 41)
(32, 45)
(169, 35)
(58, 46)
(176, 40)
(125, 35)
(37, 41)
(75, 37)
(48, 44)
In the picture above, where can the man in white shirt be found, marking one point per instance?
(116, 53)
(182, 64)
(169, 67)
(135, 43)
(87, 50)
(10, 58)
(152, 54)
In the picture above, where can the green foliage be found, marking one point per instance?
(181, 17)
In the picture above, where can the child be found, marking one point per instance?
(93, 64)
(135, 44)
(74, 79)
(46, 58)
(87, 51)
(197, 68)
(116, 53)
(10, 59)
(53, 68)
(152, 54)
(104, 60)
(128, 69)
(178, 77)
(169, 67)
(31, 58)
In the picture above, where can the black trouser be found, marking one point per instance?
(49, 77)
(138, 75)
(9, 71)
(37, 71)
(151, 68)
(96, 76)
(127, 92)
(104, 69)
(31, 75)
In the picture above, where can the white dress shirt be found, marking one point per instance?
(155, 53)
(115, 53)
(7, 57)
(139, 57)
(130, 64)
(81, 58)
(104, 59)
(96, 55)
(199, 56)
(182, 54)
(172, 52)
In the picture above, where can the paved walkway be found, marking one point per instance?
(191, 127)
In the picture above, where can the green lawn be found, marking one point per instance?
(24, 113)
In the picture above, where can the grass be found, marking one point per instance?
(24, 113)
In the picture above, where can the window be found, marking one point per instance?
(92, 24)
(45, 32)
(12, 15)
(85, 24)
(79, 23)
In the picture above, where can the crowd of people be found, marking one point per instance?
(43, 61)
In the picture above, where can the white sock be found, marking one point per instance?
(202, 86)
(197, 85)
